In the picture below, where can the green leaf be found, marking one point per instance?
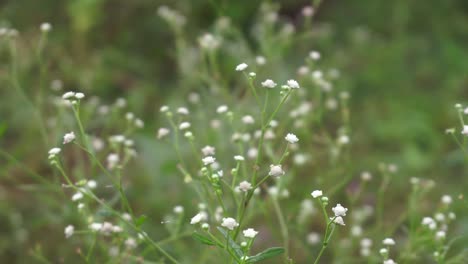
(232, 244)
(203, 239)
(3, 129)
(140, 220)
(268, 253)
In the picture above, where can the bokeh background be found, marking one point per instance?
(404, 63)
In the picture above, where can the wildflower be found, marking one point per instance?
(308, 11)
(366, 242)
(69, 230)
(208, 150)
(54, 151)
(209, 42)
(269, 83)
(79, 96)
(208, 160)
(313, 238)
(68, 95)
(241, 67)
(429, 222)
(250, 233)
(162, 132)
(248, 119)
(239, 158)
(196, 219)
(389, 261)
(276, 171)
(92, 184)
(184, 125)
(183, 111)
(245, 186)
(252, 153)
(46, 27)
(338, 220)
(139, 123)
(130, 243)
(366, 176)
(316, 193)
(339, 210)
(222, 109)
(260, 60)
(440, 235)
(69, 137)
(252, 74)
(205, 226)
(164, 109)
(388, 242)
(77, 196)
(343, 140)
(314, 55)
(112, 160)
(178, 209)
(447, 199)
(229, 223)
(291, 138)
(293, 84)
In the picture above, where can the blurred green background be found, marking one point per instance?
(404, 62)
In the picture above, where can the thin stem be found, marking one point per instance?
(283, 226)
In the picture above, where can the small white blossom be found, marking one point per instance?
(338, 220)
(197, 219)
(339, 210)
(313, 238)
(208, 151)
(46, 27)
(183, 111)
(208, 160)
(162, 132)
(222, 109)
(260, 60)
(269, 83)
(239, 158)
(178, 209)
(248, 119)
(112, 160)
(92, 184)
(68, 95)
(291, 138)
(164, 109)
(245, 186)
(317, 193)
(250, 233)
(389, 261)
(69, 137)
(241, 67)
(79, 95)
(229, 223)
(77, 196)
(130, 243)
(446, 199)
(293, 84)
(69, 230)
(184, 125)
(54, 151)
(314, 55)
(389, 242)
(276, 171)
(440, 235)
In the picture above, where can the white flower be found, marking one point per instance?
(54, 151)
(209, 42)
(68, 95)
(276, 171)
(92, 184)
(69, 230)
(429, 222)
(241, 67)
(130, 243)
(269, 83)
(440, 235)
(291, 138)
(46, 27)
(239, 158)
(245, 186)
(366, 242)
(69, 137)
(77, 196)
(95, 226)
(366, 176)
(178, 209)
(313, 238)
(317, 193)
(112, 160)
(183, 111)
(184, 125)
(162, 132)
(208, 160)
(222, 109)
(339, 210)
(343, 140)
(447, 199)
(79, 95)
(293, 84)
(389, 261)
(260, 60)
(208, 150)
(229, 223)
(197, 218)
(338, 220)
(250, 233)
(315, 55)
(388, 242)
(164, 108)
(307, 11)
(248, 119)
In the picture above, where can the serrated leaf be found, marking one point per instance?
(266, 254)
(203, 239)
(140, 220)
(232, 244)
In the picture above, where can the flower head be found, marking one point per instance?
(229, 223)
(69, 137)
(291, 138)
(69, 230)
(338, 220)
(339, 210)
(276, 170)
(388, 242)
(293, 84)
(241, 67)
(250, 233)
(316, 193)
(208, 160)
(245, 186)
(269, 83)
